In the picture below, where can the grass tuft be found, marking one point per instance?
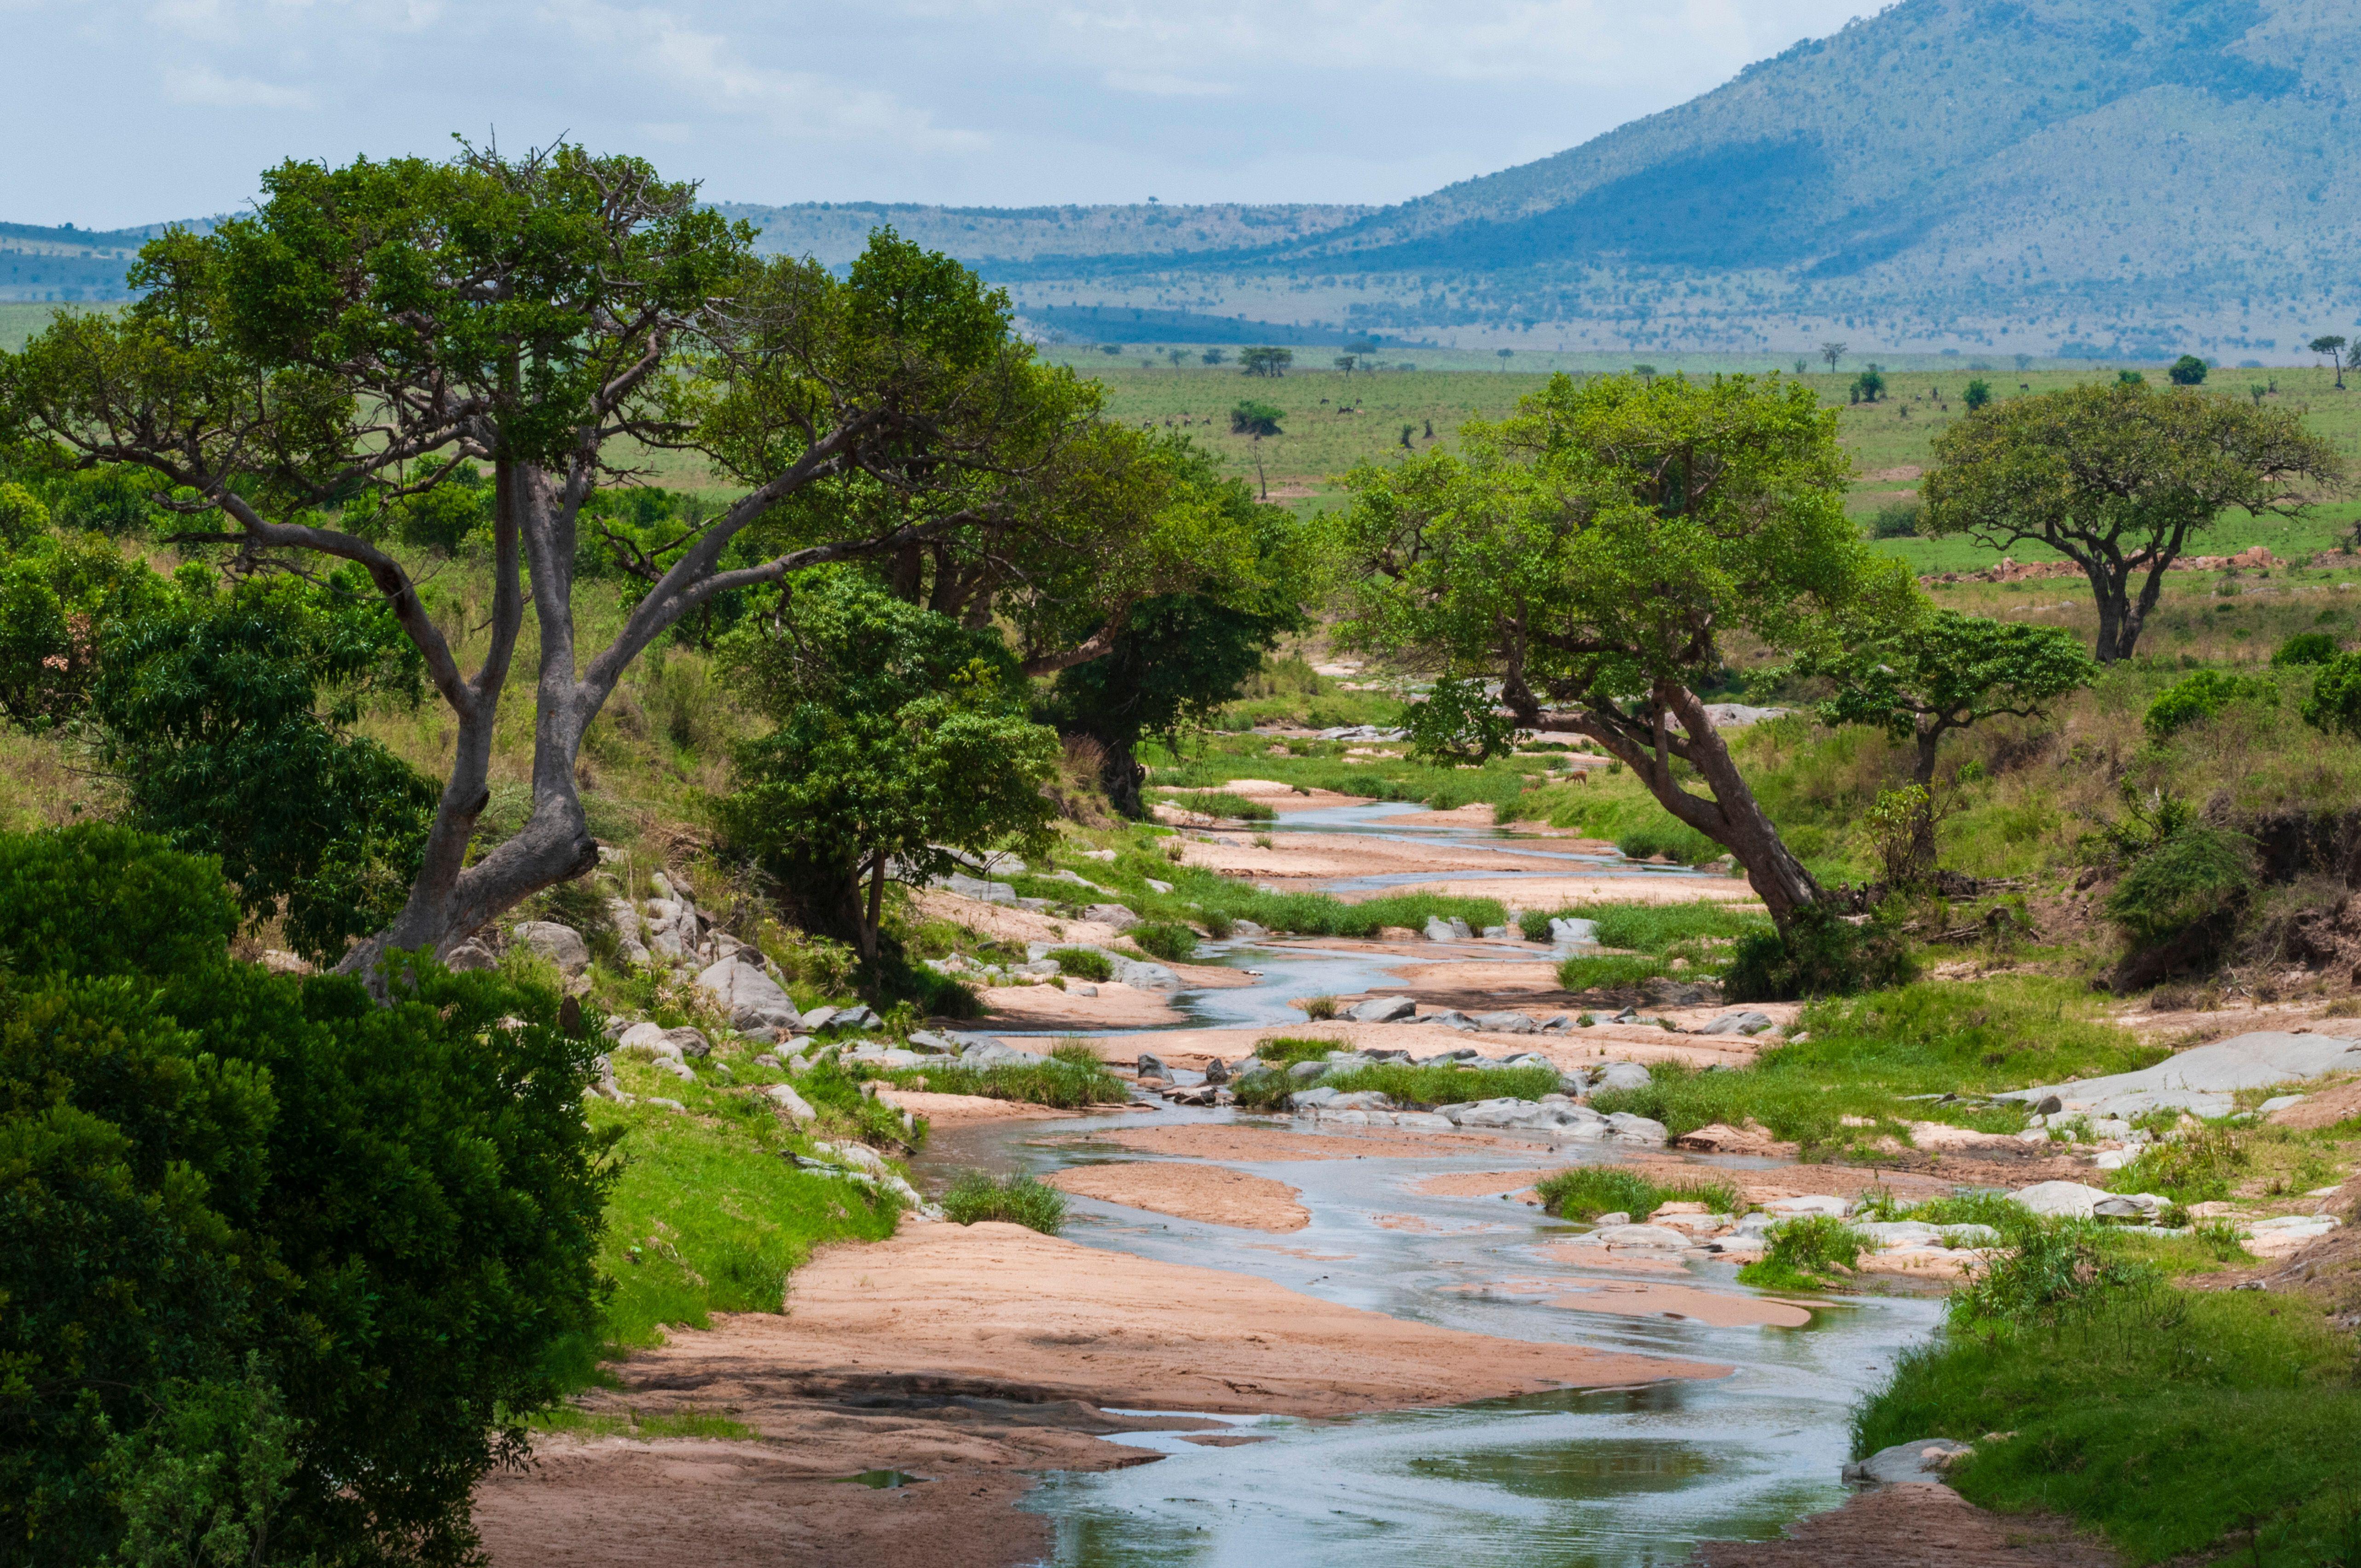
(974, 1196)
(1587, 1192)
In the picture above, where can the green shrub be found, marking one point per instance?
(1608, 971)
(1168, 941)
(2333, 705)
(2199, 696)
(1281, 1051)
(1694, 931)
(974, 1196)
(1084, 963)
(1898, 521)
(1805, 1253)
(2199, 875)
(2197, 1167)
(1445, 1085)
(1821, 955)
(2303, 649)
(395, 1206)
(1587, 1192)
(2047, 1268)
(1065, 1083)
(1672, 839)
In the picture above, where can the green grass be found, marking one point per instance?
(1414, 1087)
(1072, 1079)
(1500, 782)
(974, 1196)
(1283, 1051)
(1166, 939)
(1813, 1253)
(1084, 963)
(1608, 971)
(1587, 1192)
(2177, 1422)
(1664, 930)
(1219, 802)
(1865, 1053)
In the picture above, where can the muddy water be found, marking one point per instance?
(1613, 1478)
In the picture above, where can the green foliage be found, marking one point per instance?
(1869, 386)
(58, 596)
(1413, 1086)
(1897, 521)
(2333, 705)
(1221, 802)
(1901, 827)
(1252, 418)
(2198, 1168)
(1608, 971)
(974, 1196)
(1805, 1253)
(2047, 1267)
(2187, 371)
(203, 1484)
(393, 1207)
(2175, 1421)
(1066, 1084)
(1321, 915)
(1693, 931)
(1167, 940)
(899, 735)
(1819, 955)
(112, 500)
(1979, 395)
(1265, 360)
(2303, 649)
(2203, 695)
(2199, 875)
(1587, 1192)
(1281, 1050)
(1457, 722)
(213, 720)
(23, 517)
(1084, 963)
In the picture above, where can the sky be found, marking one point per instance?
(126, 113)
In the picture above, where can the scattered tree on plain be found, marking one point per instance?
(1833, 353)
(2187, 371)
(2334, 345)
(2118, 479)
(1266, 360)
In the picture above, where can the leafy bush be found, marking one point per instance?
(2333, 705)
(2199, 696)
(394, 1206)
(2303, 649)
(2047, 1267)
(1458, 722)
(1084, 963)
(974, 1196)
(1821, 955)
(1806, 1255)
(2198, 876)
(2197, 1167)
(1278, 1050)
(1665, 930)
(1587, 1192)
(1899, 520)
(1672, 839)
(2187, 371)
(1608, 971)
(1171, 942)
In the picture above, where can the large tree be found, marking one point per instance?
(1594, 552)
(372, 329)
(1944, 671)
(2117, 477)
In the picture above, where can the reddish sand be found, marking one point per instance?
(1473, 1183)
(1209, 1193)
(963, 1109)
(1916, 1525)
(1716, 1308)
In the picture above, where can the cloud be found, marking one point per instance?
(202, 86)
(1159, 84)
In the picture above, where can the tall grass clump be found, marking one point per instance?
(1082, 963)
(1587, 1192)
(1692, 931)
(1805, 1253)
(1070, 1080)
(1608, 971)
(1168, 941)
(973, 1196)
(1220, 803)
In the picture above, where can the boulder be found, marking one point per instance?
(820, 1019)
(2204, 1079)
(790, 1103)
(1808, 1203)
(1217, 1071)
(1891, 1234)
(561, 945)
(1152, 1067)
(1452, 1018)
(1639, 1238)
(1456, 1054)
(471, 955)
(687, 1042)
(1558, 1024)
(1359, 1100)
(1745, 1023)
(2062, 1199)
(1566, 933)
(1505, 1023)
(992, 1053)
(1626, 1128)
(1305, 1071)
(2130, 1206)
(1922, 1461)
(1237, 927)
(1141, 975)
(753, 999)
(646, 1035)
(1113, 915)
(1382, 1010)
(927, 1040)
(856, 1016)
(1439, 929)
(1622, 1074)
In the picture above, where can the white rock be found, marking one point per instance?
(1382, 1010)
(1626, 1128)
(1641, 1237)
(753, 999)
(2062, 1199)
(646, 1037)
(1808, 1203)
(791, 1103)
(1114, 915)
(561, 945)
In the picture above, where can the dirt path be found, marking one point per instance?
(1914, 1525)
(968, 1355)
(1213, 1194)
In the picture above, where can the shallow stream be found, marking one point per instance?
(1615, 1479)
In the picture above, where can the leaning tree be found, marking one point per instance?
(1594, 552)
(370, 330)
(2117, 477)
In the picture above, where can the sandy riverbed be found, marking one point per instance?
(1187, 1190)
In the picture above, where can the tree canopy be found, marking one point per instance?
(2118, 480)
(1593, 551)
(371, 332)
(1944, 671)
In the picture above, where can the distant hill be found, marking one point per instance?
(2097, 178)
(68, 263)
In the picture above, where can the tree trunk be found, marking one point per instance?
(873, 912)
(1929, 736)
(1731, 817)
(1121, 777)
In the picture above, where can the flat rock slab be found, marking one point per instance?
(1211, 1193)
(1914, 1525)
(2204, 1079)
(1718, 1308)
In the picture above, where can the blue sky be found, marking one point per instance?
(131, 113)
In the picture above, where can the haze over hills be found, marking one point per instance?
(2092, 177)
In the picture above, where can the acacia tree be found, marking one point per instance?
(1591, 554)
(372, 328)
(2116, 478)
(1944, 671)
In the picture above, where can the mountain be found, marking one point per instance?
(2100, 178)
